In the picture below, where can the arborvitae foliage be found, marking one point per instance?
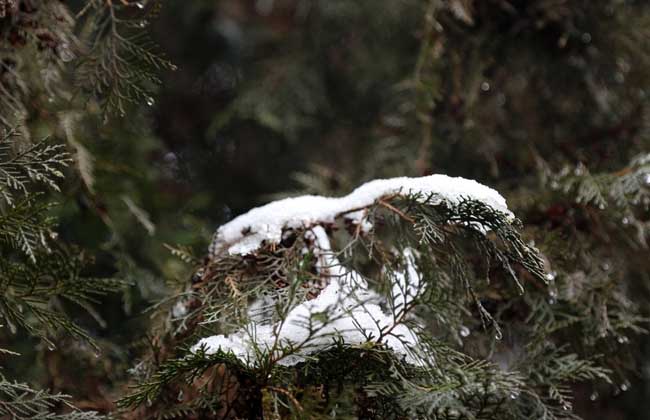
(53, 68)
(122, 64)
(546, 101)
(458, 275)
(98, 55)
(39, 276)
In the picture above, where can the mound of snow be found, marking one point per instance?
(345, 309)
(245, 234)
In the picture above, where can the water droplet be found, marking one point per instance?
(514, 395)
(65, 53)
(485, 86)
(605, 266)
(143, 23)
(150, 101)
(180, 396)
(593, 396)
(498, 335)
(149, 402)
(550, 276)
(601, 206)
(51, 346)
(139, 5)
(625, 221)
(586, 37)
(625, 385)
(464, 331)
(97, 353)
(173, 67)
(555, 185)
(552, 296)
(623, 339)
(579, 170)
(566, 407)
(53, 235)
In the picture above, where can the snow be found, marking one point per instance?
(246, 233)
(344, 310)
(406, 285)
(179, 310)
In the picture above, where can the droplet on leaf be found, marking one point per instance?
(625, 385)
(464, 331)
(65, 53)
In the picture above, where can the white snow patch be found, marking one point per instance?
(406, 285)
(360, 218)
(244, 234)
(179, 310)
(344, 310)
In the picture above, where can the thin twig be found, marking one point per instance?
(396, 210)
(293, 399)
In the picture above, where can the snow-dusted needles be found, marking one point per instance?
(345, 310)
(246, 233)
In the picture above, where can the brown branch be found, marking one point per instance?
(293, 399)
(397, 211)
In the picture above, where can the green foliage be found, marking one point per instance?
(24, 224)
(545, 101)
(18, 401)
(38, 273)
(444, 383)
(122, 66)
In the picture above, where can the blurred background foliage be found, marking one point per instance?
(247, 100)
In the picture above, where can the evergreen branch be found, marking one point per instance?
(41, 163)
(121, 68)
(29, 290)
(24, 226)
(20, 402)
